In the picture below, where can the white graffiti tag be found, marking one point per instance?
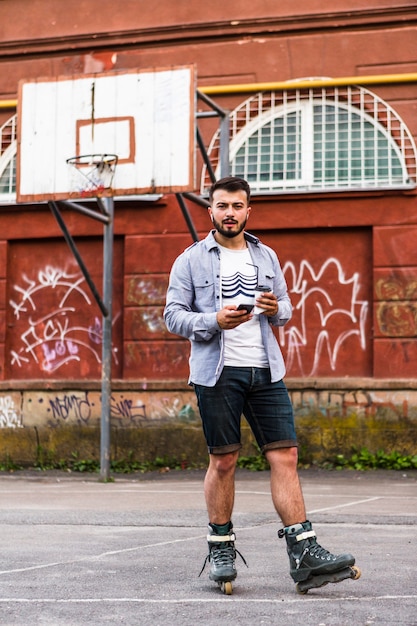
(54, 338)
(330, 297)
(9, 417)
(49, 277)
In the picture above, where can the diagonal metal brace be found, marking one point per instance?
(187, 216)
(70, 241)
(101, 217)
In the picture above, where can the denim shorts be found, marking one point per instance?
(246, 391)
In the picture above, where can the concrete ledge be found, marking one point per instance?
(35, 446)
(320, 439)
(162, 419)
(182, 385)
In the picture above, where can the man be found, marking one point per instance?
(236, 367)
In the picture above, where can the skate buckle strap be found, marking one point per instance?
(306, 535)
(221, 538)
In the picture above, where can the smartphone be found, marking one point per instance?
(245, 307)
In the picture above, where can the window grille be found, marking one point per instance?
(318, 139)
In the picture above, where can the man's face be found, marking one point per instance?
(229, 212)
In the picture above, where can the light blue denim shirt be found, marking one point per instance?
(194, 297)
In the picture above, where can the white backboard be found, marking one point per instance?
(146, 118)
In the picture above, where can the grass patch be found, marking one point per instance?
(361, 460)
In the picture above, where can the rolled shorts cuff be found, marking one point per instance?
(233, 447)
(275, 445)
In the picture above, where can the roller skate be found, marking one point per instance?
(312, 566)
(222, 557)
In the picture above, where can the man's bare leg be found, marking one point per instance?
(306, 568)
(286, 490)
(219, 487)
(219, 490)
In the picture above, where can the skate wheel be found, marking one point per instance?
(300, 590)
(227, 588)
(356, 572)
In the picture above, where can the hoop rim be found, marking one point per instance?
(95, 159)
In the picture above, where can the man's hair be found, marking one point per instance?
(230, 184)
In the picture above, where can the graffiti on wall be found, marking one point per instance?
(10, 417)
(80, 408)
(84, 408)
(57, 326)
(327, 312)
(125, 410)
(53, 335)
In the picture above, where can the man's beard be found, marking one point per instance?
(230, 234)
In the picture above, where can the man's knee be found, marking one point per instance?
(224, 464)
(283, 456)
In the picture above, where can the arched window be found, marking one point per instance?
(318, 139)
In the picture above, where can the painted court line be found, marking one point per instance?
(142, 547)
(234, 599)
(96, 557)
(341, 506)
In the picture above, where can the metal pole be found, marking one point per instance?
(107, 342)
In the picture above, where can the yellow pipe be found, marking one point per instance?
(314, 82)
(382, 79)
(8, 104)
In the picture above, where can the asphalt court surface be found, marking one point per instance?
(78, 552)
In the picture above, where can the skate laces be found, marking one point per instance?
(317, 551)
(223, 555)
(221, 551)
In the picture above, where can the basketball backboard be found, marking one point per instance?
(145, 118)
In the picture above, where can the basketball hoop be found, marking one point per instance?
(92, 174)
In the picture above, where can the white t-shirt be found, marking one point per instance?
(243, 345)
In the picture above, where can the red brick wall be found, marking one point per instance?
(149, 349)
(395, 306)
(362, 328)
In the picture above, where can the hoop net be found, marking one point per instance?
(91, 174)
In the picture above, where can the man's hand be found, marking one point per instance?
(229, 317)
(269, 302)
